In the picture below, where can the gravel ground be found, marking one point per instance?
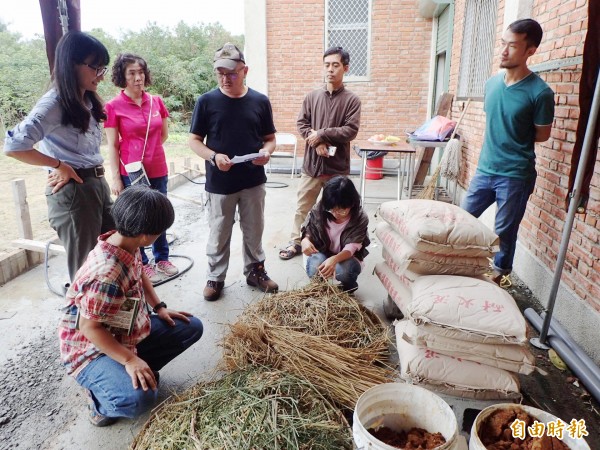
(35, 394)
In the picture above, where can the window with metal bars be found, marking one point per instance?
(348, 25)
(479, 37)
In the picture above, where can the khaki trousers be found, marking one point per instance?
(308, 192)
(251, 205)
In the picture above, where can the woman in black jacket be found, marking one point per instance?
(335, 235)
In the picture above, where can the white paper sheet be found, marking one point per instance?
(243, 158)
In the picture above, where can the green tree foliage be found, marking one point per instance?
(24, 75)
(179, 59)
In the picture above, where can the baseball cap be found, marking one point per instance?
(228, 56)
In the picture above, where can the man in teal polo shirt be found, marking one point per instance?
(519, 108)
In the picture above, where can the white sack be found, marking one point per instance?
(438, 227)
(396, 289)
(470, 308)
(450, 375)
(511, 357)
(407, 257)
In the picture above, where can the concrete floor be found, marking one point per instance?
(29, 312)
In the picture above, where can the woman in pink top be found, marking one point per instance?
(136, 128)
(335, 234)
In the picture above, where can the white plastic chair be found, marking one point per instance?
(287, 139)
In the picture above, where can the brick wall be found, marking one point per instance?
(565, 25)
(394, 100)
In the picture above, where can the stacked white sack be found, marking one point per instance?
(439, 228)
(465, 333)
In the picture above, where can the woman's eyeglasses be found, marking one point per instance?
(342, 212)
(100, 71)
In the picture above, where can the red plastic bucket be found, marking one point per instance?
(374, 169)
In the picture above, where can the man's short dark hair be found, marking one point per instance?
(530, 28)
(120, 66)
(344, 55)
(140, 210)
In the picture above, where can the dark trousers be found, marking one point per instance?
(79, 213)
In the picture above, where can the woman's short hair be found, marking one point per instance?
(140, 210)
(120, 66)
(73, 49)
(340, 192)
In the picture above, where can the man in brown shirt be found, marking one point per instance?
(330, 117)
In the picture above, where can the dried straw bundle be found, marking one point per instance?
(254, 409)
(319, 309)
(318, 334)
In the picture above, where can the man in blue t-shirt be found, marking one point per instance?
(231, 121)
(519, 108)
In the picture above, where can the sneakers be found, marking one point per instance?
(167, 268)
(258, 278)
(503, 281)
(95, 418)
(152, 275)
(213, 290)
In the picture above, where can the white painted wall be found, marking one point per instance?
(516, 9)
(255, 50)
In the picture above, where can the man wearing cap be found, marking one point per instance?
(330, 117)
(234, 120)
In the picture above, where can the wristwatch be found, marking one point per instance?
(212, 159)
(159, 306)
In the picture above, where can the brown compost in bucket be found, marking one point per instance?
(401, 407)
(491, 430)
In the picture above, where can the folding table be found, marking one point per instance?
(404, 168)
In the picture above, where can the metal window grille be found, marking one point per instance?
(348, 25)
(478, 47)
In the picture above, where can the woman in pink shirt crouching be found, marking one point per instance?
(335, 234)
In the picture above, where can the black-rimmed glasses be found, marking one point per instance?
(231, 75)
(100, 71)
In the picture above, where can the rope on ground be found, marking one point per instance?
(181, 271)
(47, 278)
(276, 184)
(190, 180)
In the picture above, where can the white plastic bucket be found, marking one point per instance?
(542, 416)
(401, 406)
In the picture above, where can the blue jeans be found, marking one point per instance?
(160, 248)
(346, 272)
(511, 196)
(109, 382)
